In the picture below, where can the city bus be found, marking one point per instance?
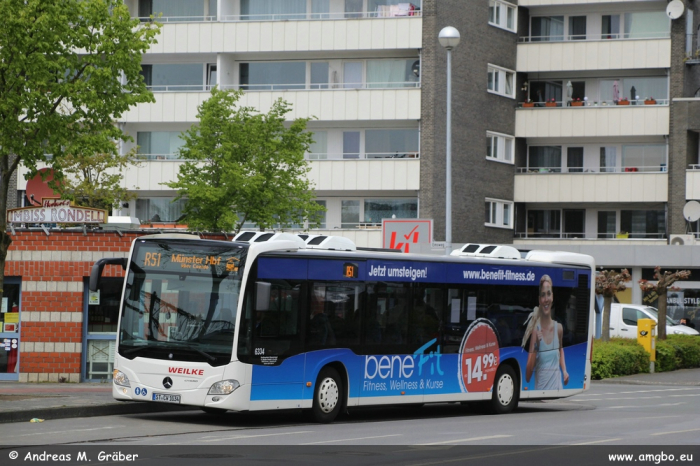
(271, 321)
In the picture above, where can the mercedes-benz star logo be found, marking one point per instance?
(167, 382)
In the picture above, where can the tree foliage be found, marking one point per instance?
(607, 283)
(664, 282)
(244, 166)
(95, 180)
(68, 70)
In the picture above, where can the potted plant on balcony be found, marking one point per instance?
(649, 101)
(528, 103)
(577, 102)
(623, 101)
(551, 103)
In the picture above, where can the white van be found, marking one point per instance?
(624, 317)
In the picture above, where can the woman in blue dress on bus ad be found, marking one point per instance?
(545, 349)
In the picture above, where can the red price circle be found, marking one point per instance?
(479, 357)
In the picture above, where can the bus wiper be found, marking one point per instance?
(206, 355)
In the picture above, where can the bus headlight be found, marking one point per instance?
(120, 378)
(224, 387)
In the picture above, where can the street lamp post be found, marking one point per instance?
(449, 38)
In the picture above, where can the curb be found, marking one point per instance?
(110, 409)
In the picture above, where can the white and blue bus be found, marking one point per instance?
(276, 321)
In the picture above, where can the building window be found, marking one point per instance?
(608, 159)
(174, 77)
(577, 28)
(270, 10)
(574, 159)
(546, 159)
(643, 158)
(159, 209)
(274, 76)
(391, 143)
(159, 145)
(503, 14)
(607, 224)
(647, 25)
(378, 209)
(544, 223)
(176, 10)
(499, 213)
(643, 223)
(500, 81)
(349, 214)
(318, 150)
(547, 28)
(385, 74)
(499, 147)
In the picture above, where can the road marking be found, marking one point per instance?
(598, 441)
(350, 439)
(473, 439)
(642, 406)
(72, 430)
(214, 439)
(676, 432)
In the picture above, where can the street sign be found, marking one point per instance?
(402, 233)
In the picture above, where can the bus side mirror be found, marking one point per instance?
(96, 271)
(262, 296)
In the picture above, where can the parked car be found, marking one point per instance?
(624, 317)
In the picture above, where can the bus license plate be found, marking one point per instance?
(166, 398)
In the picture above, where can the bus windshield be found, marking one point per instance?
(180, 300)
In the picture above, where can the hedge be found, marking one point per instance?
(624, 356)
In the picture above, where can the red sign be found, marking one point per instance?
(479, 357)
(185, 371)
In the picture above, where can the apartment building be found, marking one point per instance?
(574, 122)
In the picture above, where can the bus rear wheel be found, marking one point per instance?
(505, 391)
(328, 396)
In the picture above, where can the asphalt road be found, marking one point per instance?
(608, 414)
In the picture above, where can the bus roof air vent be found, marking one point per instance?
(333, 243)
(266, 236)
(488, 250)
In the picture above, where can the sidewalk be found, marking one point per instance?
(21, 402)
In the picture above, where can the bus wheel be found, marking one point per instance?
(327, 396)
(505, 391)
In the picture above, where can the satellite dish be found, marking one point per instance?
(691, 211)
(675, 9)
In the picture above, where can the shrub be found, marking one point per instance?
(677, 352)
(619, 356)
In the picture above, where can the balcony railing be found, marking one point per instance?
(582, 235)
(158, 157)
(364, 156)
(400, 10)
(177, 19)
(286, 87)
(585, 170)
(595, 37)
(588, 103)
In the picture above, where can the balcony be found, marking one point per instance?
(364, 156)
(400, 33)
(594, 54)
(325, 105)
(602, 120)
(692, 182)
(331, 175)
(591, 187)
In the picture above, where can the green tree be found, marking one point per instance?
(244, 166)
(664, 282)
(68, 70)
(95, 180)
(607, 283)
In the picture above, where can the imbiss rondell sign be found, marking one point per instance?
(56, 211)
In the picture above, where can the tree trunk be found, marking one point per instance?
(607, 304)
(661, 327)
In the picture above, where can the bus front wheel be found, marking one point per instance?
(328, 396)
(505, 391)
